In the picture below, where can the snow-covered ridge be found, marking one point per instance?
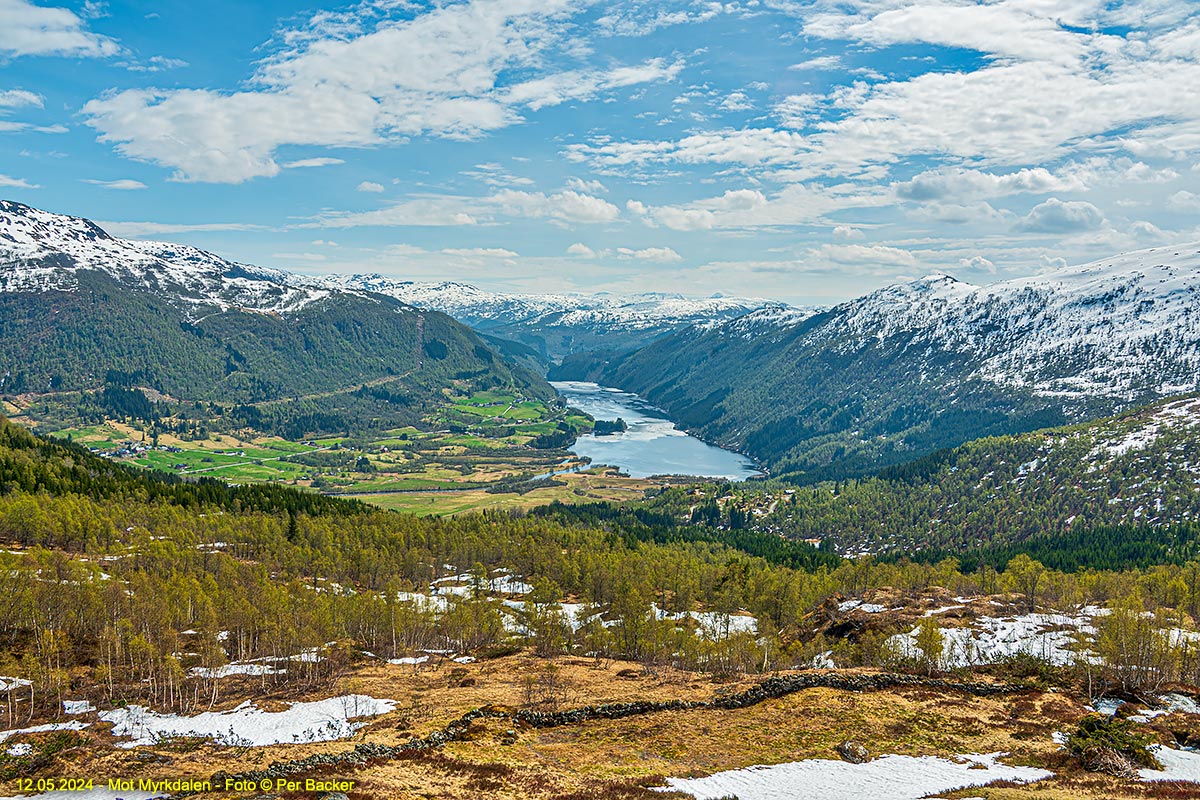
(42, 251)
(1126, 327)
(486, 309)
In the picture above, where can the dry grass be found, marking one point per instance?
(619, 759)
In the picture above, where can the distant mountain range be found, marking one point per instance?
(558, 325)
(932, 363)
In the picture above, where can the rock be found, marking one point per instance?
(333, 796)
(147, 757)
(853, 752)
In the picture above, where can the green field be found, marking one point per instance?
(473, 442)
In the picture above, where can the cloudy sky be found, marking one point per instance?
(807, 150)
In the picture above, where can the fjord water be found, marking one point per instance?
(652, 445)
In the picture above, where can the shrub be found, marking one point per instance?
(1099, 736)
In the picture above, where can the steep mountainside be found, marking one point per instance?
(557, 325)
(929, 364)
(81, 310)
(1141, 468)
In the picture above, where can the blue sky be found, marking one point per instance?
(807, 151)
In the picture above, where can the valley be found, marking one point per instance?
(320, 534)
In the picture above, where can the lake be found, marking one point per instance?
(652, 445)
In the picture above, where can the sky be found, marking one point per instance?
(807, 151)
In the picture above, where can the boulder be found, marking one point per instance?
(853, 752)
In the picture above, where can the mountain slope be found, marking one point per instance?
(929, 364)
(557, 325)
(1138, 469)
(81, 310)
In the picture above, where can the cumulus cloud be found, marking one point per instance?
(31, 30)
(370, 186)
(847, 232)
(795, 204)
(1184, 201)
(661, 255)
(1058, 216)
(582, 250)
(858, 254)
(960, 183)
(440, 73)
(978, 263)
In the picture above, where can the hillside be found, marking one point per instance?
(557, 325)
(82, 311)
(916, 367)
(1110, 493)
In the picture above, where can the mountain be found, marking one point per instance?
(558, 325)
(924, 365)
(81, 310)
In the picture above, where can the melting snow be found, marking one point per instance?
(319, 721)
(1178, 765)
(73, 725)
(886, 778)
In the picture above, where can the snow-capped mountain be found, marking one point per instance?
(927, 364)
(40, 251)
(1127, 326)
(559, 324)
(81, 310)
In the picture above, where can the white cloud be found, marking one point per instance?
(139, 230)
(587, 187)
(978, 263)
(370, 186)
(736, 101)
(580, 249)
(1057, 216)
(820, 63)
(661, 255)
(154, 64)
(567, 206)
(481, 252)
(337, 84)
(16, 183)
(796, 111)
(30, 30)
(959, 183)
(15, 98)
(1184, 201)
(847, 232)
(553, 90)
(124, 184)
(309, 163)
(795, 204)
(859, 254)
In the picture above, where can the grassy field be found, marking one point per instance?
(475, 442)
(581, 487)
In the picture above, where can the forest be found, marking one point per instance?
(143, 587)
